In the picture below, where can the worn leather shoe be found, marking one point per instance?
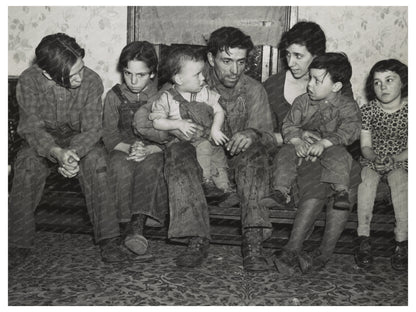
(286, 261)
(194, 254)
(275, 199)
(399, 257)
(363, 255)
(252, 250)
(311, 261)
(113, 251)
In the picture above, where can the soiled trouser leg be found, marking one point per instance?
(306, 215)
(30, 172)
(335, 225)
(93, 177)
(253, 180)
(189, 215)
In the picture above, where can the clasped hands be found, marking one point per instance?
(384, 164)
(68, 161)
(309, 146)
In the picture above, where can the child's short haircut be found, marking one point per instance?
(387, 65)
(142, 51)
(226, 38)
(178, 55)
(337, 66)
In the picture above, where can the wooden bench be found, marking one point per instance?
(62, 207)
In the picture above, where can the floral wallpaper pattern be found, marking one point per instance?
(366, 34)
(101, 31)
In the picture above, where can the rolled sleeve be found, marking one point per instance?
(144, 126)
(160, 108)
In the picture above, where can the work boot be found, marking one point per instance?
(342, 200)
(275, 199)
(399, 257)
(195, 253)
(312, 261)
(286, 261)
(135, 241)
(252, 250)
(113, 251)
(363, 255)
(17, 256)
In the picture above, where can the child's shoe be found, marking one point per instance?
(312, 261)
(277, 198)
(399, 257)
(363, 255)
(342, 201)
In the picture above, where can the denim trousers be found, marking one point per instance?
(30, 173)
(397, 180)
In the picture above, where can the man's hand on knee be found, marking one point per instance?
(240, 142)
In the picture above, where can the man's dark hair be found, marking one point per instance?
(226, 38)
(138, 51)
(387, 65)
(336, 65)
(178, 55)
(56, 54)
(308, 34)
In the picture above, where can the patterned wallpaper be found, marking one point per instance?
(366, 34)
(101, 31)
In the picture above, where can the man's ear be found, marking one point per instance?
(210, 59)
(337, 86)
(177, 79)
(46, 75)
(152, 75)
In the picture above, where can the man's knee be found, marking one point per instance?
(95, 160)
(30, 162)
(255, 155)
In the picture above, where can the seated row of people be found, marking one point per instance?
(211, 130)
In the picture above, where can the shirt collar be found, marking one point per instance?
(335, 100)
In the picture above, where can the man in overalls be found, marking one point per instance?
(60, 122)
(248, 117)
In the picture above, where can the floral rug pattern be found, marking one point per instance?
(65, 269)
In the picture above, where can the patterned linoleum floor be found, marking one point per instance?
(66, 269)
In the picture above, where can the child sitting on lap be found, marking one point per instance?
(319, 125)
(189, 102)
